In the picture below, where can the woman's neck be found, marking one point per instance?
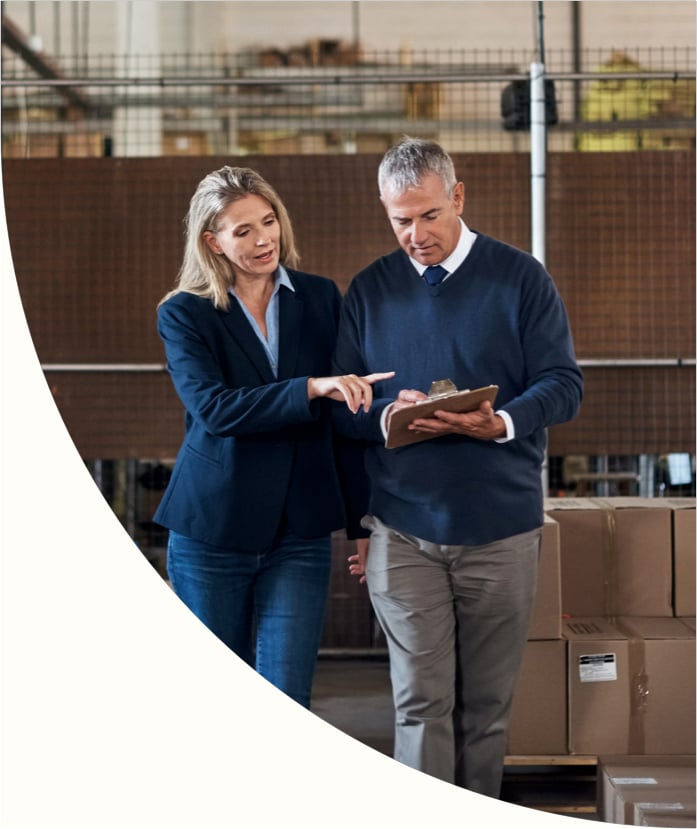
(255, 292)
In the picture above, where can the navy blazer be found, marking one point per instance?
(257, 456)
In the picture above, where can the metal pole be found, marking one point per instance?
(538, 164)
(333, 77)
(609, 362)
(538, 171)
(538, 161)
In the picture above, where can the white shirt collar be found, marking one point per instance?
(458, 256)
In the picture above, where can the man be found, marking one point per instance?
(455, 519)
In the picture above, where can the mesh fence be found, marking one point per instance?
(103, 155)
(329, 98)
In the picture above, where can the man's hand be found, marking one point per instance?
(406, 397)
(481, 424)
(357, 561)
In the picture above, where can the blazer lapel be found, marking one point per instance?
(239, 327)
(290, 315)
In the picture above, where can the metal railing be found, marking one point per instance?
(231, 104)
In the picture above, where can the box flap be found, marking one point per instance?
(552, 504)
(620, 502)
(655, 627)
(590, 627)
(681, 503)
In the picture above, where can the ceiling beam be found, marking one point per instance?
(15, 39)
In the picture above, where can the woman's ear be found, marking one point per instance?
(211, 241)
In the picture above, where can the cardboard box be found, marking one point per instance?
(625, 782)
(673, 815)
(684, 555)
(669, 801)
(598, 686)
(631, 686)
(641, 556)
(616, 556)
(545, 622)
(662, 685)
(584, 544)
(539, 712)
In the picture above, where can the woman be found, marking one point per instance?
(255, 492)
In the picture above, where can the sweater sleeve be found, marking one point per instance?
(348, 359)
(554, 385)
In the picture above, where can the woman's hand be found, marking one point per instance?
(358, 560)
(356, 391)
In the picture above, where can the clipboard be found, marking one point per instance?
(443, 395)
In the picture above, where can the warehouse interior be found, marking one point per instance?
(111, 114)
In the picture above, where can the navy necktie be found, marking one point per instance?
(434, 274)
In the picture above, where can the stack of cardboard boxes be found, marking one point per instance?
(609, 669)
(647, 790)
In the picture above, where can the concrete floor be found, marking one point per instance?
(354, 695)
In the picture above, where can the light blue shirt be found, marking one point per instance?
(270, 341)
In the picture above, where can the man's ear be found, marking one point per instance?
(459, 196)
(211, 241)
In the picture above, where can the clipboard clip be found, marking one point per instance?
(442, 388)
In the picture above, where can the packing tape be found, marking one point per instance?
(638, 696)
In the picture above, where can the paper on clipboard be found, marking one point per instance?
(450, 400)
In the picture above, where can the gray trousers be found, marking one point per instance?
(456, 620)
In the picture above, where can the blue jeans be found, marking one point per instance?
(266, 607)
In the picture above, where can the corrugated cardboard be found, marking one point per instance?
(672, 815)
(598, 685)
(584, 550)
(627, 781)
(684, 555)
(641, 559)
(539, 712)
(631, 685)
(616, 556)
(662, 684)
(545, 622)
(668, 800)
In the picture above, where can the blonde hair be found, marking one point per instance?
(203, 272)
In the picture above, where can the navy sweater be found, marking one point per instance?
(498, 320)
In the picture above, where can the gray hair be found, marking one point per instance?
(204, 273)
(405, 165)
